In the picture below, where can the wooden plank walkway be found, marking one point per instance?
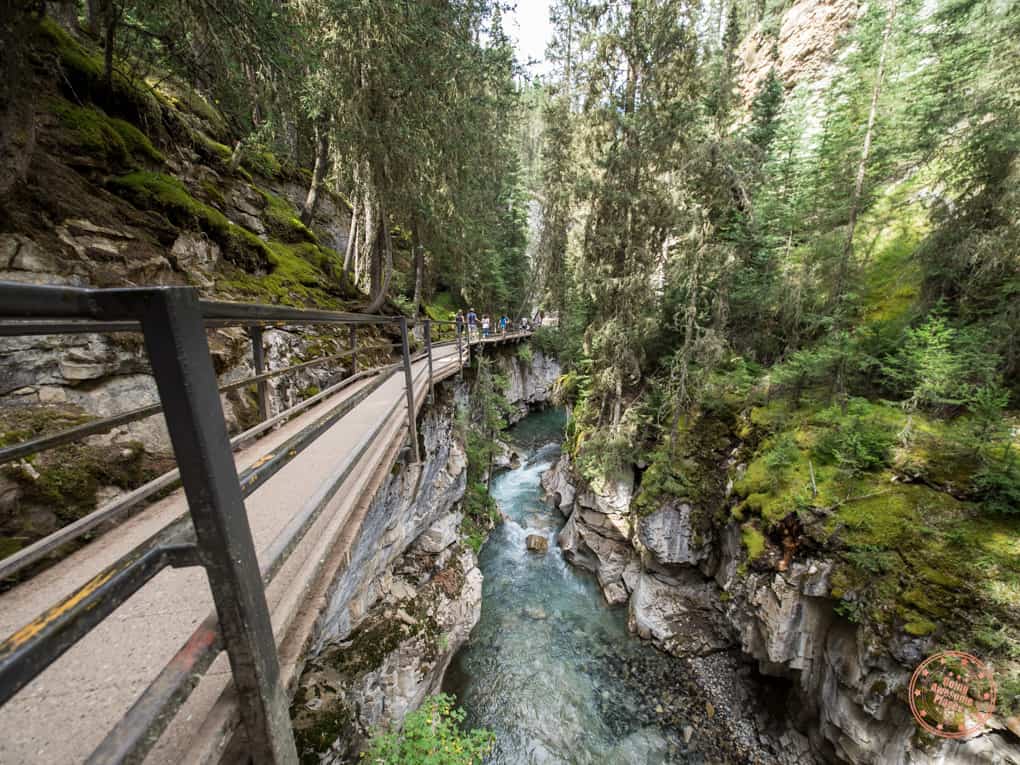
(67, 710)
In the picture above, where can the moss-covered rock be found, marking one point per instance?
(90, 131)
(169, 197)
(282, 221)
(83, 79)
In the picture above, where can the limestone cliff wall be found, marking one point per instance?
(691, 592)
(530, 380)
(403, 605)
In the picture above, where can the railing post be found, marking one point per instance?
(428, 348)
(412, 419)
(354, 348)
(460, 357)
(259, 359)
(179, 353)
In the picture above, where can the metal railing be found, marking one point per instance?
(214, 533)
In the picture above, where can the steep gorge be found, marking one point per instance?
(751, 627)
(411, 593)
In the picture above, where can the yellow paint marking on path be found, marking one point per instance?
(36, 626)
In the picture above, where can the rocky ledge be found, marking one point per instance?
(756, 641)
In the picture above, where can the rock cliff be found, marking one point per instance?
(530, 378)
(697, 596)
(411, 593)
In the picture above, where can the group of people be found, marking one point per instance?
(483, 325)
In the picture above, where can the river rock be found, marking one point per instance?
(558, 487)
(537, 543)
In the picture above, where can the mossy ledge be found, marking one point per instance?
(169, 197)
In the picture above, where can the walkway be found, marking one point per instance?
(65, 712)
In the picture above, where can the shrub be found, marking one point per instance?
(856, 441)
(998, 487)
(432, 735)
(940, 366)
(549, 340)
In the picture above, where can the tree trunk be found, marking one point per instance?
(94, 16)
(367, 246)
(862, 165)
(17, 98)
(352, 242)
(419, 265)
(318, 173)
(65, 13)
(382, 264)
(112, 16)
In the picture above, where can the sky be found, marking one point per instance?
(528, 25)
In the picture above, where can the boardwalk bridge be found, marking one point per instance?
(175, 635)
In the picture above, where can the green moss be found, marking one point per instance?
(184, 98)
(83, 78)
(91, 131)
(771, 416)
(282, 221)
(213, 193)
(314, 734)
(909, 557)
(753, 540)
(263, 163)
(368, 646)
(168, 196)
(10, 545)
(299, 273)
(212, 150)
(919, 627)
(890, 233)
(442, 307)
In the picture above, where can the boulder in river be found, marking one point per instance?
(537, 543)
(535, 612)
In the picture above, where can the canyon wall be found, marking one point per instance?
(757, 635)
(411, 593)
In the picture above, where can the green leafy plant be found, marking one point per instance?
(432, 735)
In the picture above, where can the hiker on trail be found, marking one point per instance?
(503, 322)
(485, 325)
(460, 323)
(538, 318)
(472, 320)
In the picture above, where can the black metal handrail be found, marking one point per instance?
(214, 532)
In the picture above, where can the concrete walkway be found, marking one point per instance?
(66, 711)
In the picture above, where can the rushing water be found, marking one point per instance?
(550, 667)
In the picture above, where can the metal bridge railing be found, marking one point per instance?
(214, 533)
